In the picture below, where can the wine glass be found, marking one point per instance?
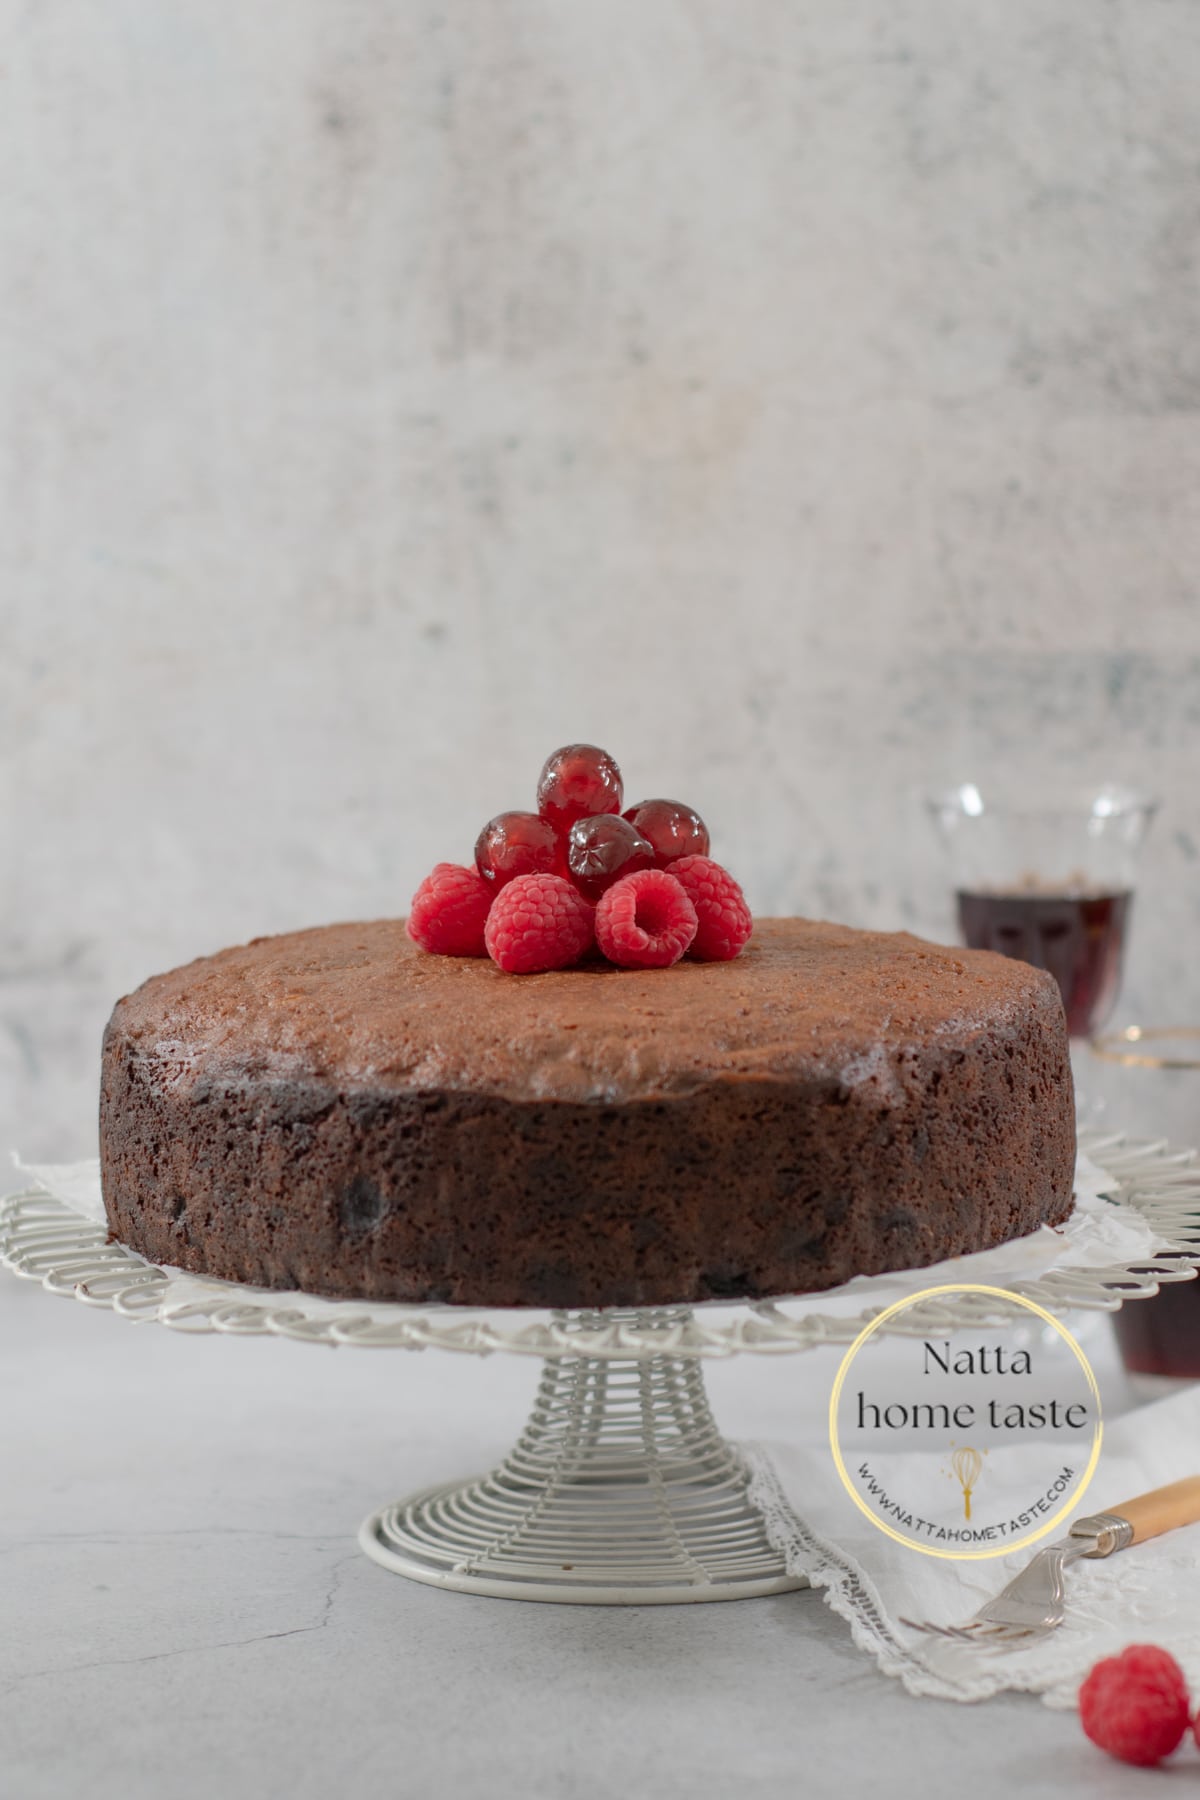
(1048, 878)
(1160, 1066)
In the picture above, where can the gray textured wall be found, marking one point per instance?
(802, 399)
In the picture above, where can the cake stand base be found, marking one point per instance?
(620, 1491)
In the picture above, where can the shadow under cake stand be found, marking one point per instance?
(621, 1488)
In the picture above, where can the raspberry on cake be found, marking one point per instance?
(538, 923)
(645, 921)
(449, 912)
(724, 921)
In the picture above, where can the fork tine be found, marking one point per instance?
(978, 1631)
(1007, 1634)
(975, 1631)
(930, 1629)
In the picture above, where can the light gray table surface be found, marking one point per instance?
(186, 1612)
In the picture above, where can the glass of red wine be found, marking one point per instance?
(1049, 879)
(1160, 1069)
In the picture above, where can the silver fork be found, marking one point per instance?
(1034, 1602)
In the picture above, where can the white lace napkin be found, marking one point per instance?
(77, 1184)
(1149, 1593)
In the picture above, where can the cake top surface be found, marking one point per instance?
(360, 1005)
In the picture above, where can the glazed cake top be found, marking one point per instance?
(360, 1006)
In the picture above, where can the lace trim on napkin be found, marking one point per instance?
(845, 1588)
(1150, 1593)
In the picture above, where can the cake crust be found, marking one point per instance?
(336, 1111)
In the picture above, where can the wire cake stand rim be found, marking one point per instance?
(377, 1534)
(42, 1239)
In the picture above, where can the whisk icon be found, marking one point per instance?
(968, 1466)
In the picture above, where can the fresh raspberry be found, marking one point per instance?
(1135, 1705)
(538, 922)
(577, 782)
(600, 851)
(449, 912)
(645, 921)
(725, 921)
(518, 843)
(672, 829)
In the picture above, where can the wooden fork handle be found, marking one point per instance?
(1163, 1509)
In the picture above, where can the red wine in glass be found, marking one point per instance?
(1078, 937)
(1161, 1336)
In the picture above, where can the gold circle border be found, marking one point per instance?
(889, 1312)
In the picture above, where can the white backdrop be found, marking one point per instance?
(799, 399)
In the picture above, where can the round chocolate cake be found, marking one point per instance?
(335, 1110)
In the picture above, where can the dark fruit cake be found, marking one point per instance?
(340, 1111)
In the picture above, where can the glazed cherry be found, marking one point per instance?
(518, 843)
(673, 829)
(578, 782)
(601, 850)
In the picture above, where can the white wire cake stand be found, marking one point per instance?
(621, 1488)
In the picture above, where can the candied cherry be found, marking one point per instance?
(579, 781)
(600, 851)
(673, 829)
(518, 843)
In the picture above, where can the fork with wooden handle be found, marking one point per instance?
(1034, 1602)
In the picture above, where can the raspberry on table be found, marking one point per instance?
(449, 912)
(645, 921)
(1135, 1705)
(725, 922)
(578, 782)
(518, 843)
(672, 829)
(538, 922)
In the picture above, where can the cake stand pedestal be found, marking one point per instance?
(621, 1489)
